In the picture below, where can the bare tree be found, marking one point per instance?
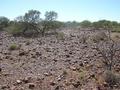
(109, 50)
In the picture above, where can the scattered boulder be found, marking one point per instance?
(52, 83)
(57, 87)
(22, 53)
(81, 64)
(73, 68)
(26, 79)
(47, 74)
(31, 85)
(76, 84)
(0, 69)
(1, 43)
(18, 81)
(4, 87)
(67, 56)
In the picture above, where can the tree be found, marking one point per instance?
(49, 22)
(29, 21)
(102, 24)
(4, 22)
(85, 24)
(19, 19)
(32, 16)
(51, 16)
(110, 51)
(114, 24)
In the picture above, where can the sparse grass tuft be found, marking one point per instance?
(82, 74)
(13, 47)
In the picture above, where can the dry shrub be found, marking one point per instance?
(108, 50)
(83, 38)
(97, 37)
(115, 36)
(112, 79)
(60, 35)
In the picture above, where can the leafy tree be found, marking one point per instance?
(49, 22)
(85, 24)
(96, 25)
(114, 23)
(19, 19)
(102, 24)
(33, 16)
(32, 21)
(51, 16)
(29, 21)
(4, 22)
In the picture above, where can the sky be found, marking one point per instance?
(68, 10)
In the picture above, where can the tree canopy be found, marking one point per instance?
(85, 24)
(31, 21)
(4, 21)
(51, 16)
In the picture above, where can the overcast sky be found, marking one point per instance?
(68, 10)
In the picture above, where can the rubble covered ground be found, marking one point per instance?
(51, 63)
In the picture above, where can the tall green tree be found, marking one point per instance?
(29, 21)
(50, 22)
(32, 16)
(4, 22)
(102, 24)
(51, 16)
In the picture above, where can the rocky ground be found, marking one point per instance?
(51, 63)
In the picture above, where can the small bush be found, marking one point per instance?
(82, 74)
(60, 35)
(15, 29)
(97, 37)
(64, 72)
(117, 29)
(13, 47)
(111, 79)
(84, 38)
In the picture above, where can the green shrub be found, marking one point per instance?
(15, 29)
(82, 74)
(4, 22)
(13, 47)
(117, 29)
